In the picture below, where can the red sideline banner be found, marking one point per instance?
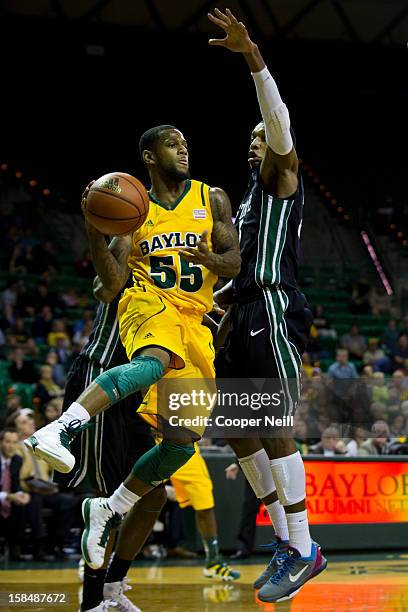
(354, 492)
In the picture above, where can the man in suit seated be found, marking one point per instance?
(36, 479)
(12, 499)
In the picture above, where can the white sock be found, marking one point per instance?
(74, 412)
(299, 536)
(122, 500)
(278, 518)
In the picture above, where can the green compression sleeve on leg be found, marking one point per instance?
(161, 461)
(123, 380)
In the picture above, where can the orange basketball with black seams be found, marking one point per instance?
(117, 203)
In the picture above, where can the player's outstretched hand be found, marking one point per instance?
(201, 254)
(237, 38)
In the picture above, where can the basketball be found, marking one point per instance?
(117, 203)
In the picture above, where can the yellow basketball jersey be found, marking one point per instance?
(155, 259)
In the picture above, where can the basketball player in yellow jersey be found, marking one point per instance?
(187, 241)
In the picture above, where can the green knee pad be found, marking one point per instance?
(123, 380)
(161, 461)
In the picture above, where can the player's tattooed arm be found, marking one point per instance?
(110, 263)
(225, 259)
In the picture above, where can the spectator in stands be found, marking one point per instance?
(58, 370)
(47, 388)
(389, 338)
(354, 342)
(404, 412)
(12, 403)
(353, 444)
(313, 344)
(342, 369)
(378, 411)
(307, 367)
(53, 410)
(373, 354)
(79, 324)
(24, 306)
(378, 443)
(366, 382)
(84, 265)
(317, 427)
(64, 353)
(398, 426)
(341, 375)
(30, 347)
(21, 370)
(36, 477)
(43, 324)
(44, 297)
(314, 394)
(397, 386)
(379, 391)
(10, 419)
(367, 374)
(45, 261)
(58, 335)
(12, 498)
(8, 300)
(20, 331)
(81, 337)
(330, 444)
(360, 297)
(301, 436)
(21, 260)
(322, 323)
(380, 302)
(400, 353)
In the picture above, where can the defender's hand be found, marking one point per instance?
(237, 38)
(201, 254)
(221, 299)
(217, 309)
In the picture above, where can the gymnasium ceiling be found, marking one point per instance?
(367, 21)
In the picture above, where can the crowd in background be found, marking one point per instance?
(358, 407)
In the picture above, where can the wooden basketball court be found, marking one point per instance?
(362, 585)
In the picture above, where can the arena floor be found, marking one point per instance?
(359, 583)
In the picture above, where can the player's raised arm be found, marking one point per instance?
(110, 261)
(280, 164)
(225, 259)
